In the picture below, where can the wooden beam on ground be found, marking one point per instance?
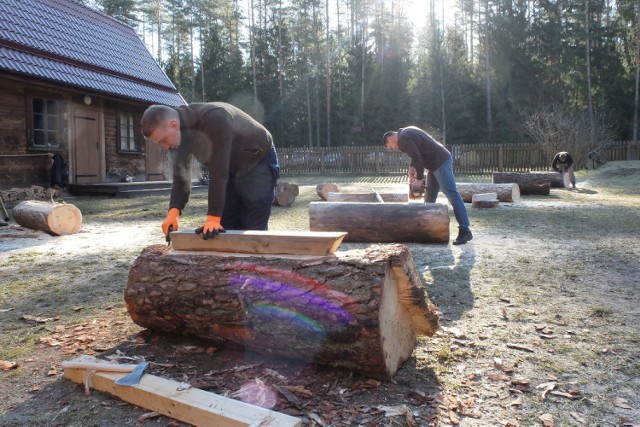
(361, 309)
(193, 406)
(485, 200)
(368, 197)
(508, 193)
(382, 222)
(261, 242)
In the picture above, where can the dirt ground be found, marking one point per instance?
(540, 318)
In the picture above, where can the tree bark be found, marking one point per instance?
(361, 309)
(509, 193)
(285, 194)
(533, 182)
(382, 222)
(53, 218)
(323, 190)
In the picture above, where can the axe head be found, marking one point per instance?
(133, 378)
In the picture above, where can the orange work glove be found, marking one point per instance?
(211, 227)
(171, 221)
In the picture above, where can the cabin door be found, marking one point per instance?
(156, 158)
(87, 158)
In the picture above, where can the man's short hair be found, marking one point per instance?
(563, 157)
(386, 136)
(154, 116)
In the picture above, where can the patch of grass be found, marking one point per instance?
(601, 311)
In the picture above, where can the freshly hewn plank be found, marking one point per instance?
(261, 242)
(368, 197)
(193, 406)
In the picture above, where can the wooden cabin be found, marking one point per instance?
(75, 82)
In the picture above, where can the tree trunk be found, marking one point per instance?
(323, 190)
(285, 194)
(382, 222)
(509, 193)
(361, 309)
(533, 182)
(53, 218)
(368, 197)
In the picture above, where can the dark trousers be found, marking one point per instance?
(249, 198)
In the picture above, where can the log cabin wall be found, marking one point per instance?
(121, 163)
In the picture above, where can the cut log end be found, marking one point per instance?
(53, 218)
(323, 190)
(360, 310)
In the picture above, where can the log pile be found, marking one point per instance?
(54, 218)
(360, 309)
(15, 195)
(382, 222)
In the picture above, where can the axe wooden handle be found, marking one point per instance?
(105, 367)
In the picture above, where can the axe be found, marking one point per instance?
(132, 379)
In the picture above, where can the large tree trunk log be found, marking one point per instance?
(285, 194)
(53, 218)
(323, 190)
(382, 222)
(509, 193)
(533, 182)
(368, 197)
(360, 309)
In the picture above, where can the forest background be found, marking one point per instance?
(321, 73)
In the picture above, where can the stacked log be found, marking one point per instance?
(382, 222)
(507, 193)
(360, 309)
(54, 218)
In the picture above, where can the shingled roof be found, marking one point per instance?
(66, 42)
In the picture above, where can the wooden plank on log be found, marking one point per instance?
(508, 192)
(194, 406)
(54, 218)
(484, 197)
(261, 242)
(367, 197)
(361, 309)
(382, 222)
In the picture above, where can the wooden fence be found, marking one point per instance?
(468, 159)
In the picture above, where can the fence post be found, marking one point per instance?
(500, 158)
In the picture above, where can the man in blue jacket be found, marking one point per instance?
(427, 153)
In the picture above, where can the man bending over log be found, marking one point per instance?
(427, 153)
(563, 162)
(238, 153)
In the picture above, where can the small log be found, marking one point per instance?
(382, 222)
(485, 200)
(509, 193)
(53, 218)
(368, 197)
(285, 194)
(361, 309)
(323, 190)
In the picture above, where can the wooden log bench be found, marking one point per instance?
(533, 183)
(359, 309)
(508, 193)
(382, 222)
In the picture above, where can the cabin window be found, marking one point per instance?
(46, 116)
(127, 141)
